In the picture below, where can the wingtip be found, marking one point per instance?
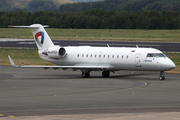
(11, 61)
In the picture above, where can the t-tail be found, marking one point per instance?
(40, 35)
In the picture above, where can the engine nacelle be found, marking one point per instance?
(56, 52)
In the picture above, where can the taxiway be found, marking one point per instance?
(30, 92)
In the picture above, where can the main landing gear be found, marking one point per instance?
(162, 76)
(86, 73)
(105, 73)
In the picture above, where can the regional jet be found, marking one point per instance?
(106, 59)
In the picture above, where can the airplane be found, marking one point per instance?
(106, 59)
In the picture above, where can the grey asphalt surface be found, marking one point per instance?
(48, 94)
(38, 92)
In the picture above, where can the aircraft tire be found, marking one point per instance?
(105, 73)
(85, 74)
(161, 78)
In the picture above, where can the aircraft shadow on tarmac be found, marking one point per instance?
(4, 76)
(138, 76)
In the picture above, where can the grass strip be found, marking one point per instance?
(28, 56)
(97, 34)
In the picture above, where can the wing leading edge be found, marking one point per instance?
(75, 67)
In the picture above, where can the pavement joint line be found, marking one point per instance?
(11, 116)
(145, 84)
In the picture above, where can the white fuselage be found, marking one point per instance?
(118, 58)
(105, 59)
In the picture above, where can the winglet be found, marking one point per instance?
(11, 61)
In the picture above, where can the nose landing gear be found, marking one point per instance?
(162, 77)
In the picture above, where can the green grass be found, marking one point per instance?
(31, 57)
(26, 56)
(98, 34)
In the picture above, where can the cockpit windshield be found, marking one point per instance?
(156, 55)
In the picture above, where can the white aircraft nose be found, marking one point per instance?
(173, 65)
(170, 65)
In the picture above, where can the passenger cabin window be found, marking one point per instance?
(156, 55)
(78, 55)
(104, 56)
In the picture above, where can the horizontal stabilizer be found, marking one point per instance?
(35, 26)
(42, 39)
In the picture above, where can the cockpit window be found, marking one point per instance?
(156, 55)
(150, 55)
(160, 55)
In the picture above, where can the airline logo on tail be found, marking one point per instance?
(41, 33)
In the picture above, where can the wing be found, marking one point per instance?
(75, 67)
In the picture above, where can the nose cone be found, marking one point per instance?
(169, 64)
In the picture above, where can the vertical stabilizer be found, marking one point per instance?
(40, 35)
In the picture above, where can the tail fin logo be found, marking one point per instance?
(37, 35)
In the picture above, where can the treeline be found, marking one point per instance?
(95, 19)
(124, 5)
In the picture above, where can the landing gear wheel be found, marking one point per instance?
(105, 73)
(161, 78)
(85, 74)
